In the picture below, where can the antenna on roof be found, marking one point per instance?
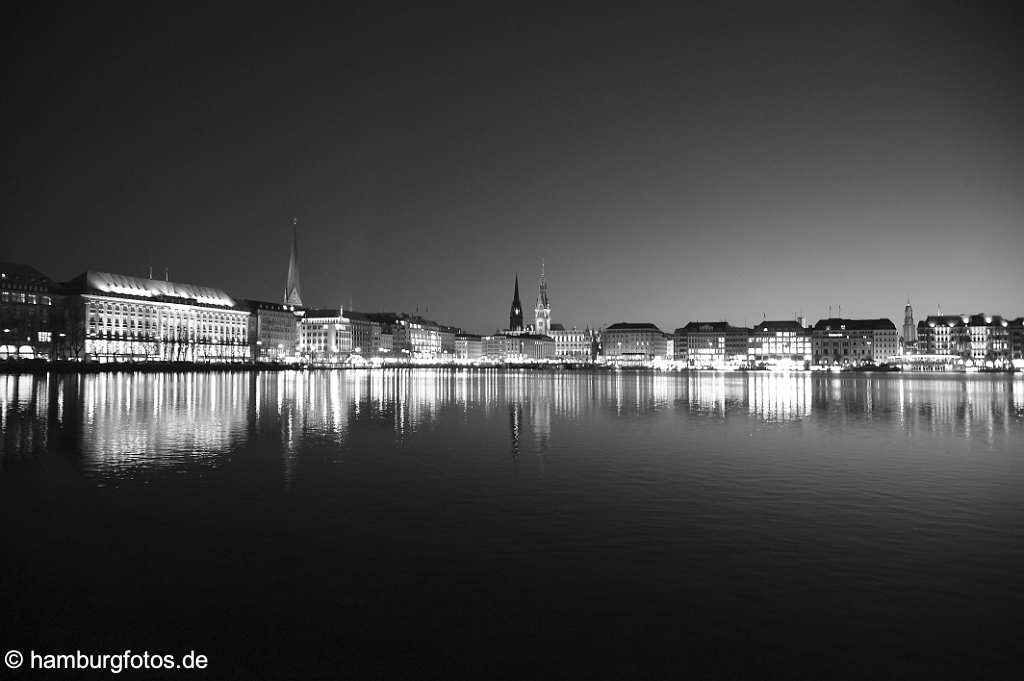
(150, 271)
(167, 273)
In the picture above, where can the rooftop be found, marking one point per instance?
(633, 326)
(840, 323)
(141, 287)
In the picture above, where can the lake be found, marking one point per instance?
(483, 524)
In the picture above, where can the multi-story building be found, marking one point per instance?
(468, 346)
(325, 335)
(26, 313)
(987, 340)
(940, 335)
(448, 334)
(117, 318)
(780, 345)
(273, 333)
(1015, 330)
(366, 334)
(711, 345)
(417, 338)
(854, 342)
(633, 343)
(518, 347)
(572, 345)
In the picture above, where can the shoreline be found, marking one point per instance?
(40, 367)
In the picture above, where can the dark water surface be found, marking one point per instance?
(450, 525)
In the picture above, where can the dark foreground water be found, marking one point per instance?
(461, 525)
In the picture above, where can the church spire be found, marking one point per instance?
(515, 315)
(542, 319)
(292, 290)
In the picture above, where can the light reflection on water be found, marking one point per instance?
(122, 423)
(801, 519)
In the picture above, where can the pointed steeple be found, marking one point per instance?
(292, 290)
(542, 317)
(515, 315)
(542, 293)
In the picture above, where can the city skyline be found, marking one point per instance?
(696, 164)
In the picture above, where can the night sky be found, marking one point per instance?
(668, 165)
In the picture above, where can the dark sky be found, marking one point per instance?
(668, 165)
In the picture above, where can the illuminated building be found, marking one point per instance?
(468, 346)
(633, 343)
(292, 289)
(410, 336)
(780, 345)
(574, 344)
(26, 313)
(418, 338)
(325, 335)
(448, 335)
(123, 318)
(273, 330)
(1015, 332)
(909, 330)
(711, 345)
(980, 338)
(542, 312)
(940, 335)
(854, 342)
(984, 339)
(515, 315)
(519, 347)
(366, 334)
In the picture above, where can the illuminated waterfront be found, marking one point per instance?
(375, 523)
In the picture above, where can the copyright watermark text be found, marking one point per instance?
(115, 663)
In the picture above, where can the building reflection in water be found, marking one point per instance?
(122, 424)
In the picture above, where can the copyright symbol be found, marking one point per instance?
(13, 659)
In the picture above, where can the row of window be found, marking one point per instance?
(26, 298)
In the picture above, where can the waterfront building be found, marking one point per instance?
(987, 340)
(853, 342)
(711, 345)
(366, 334)
(515, 315)
(909, 330)
(26, 313)
(542, 312)
(1015, 331)
(494, 346)
(447, 335)
(940, 335)
(417, 338)
(117, 318)
(780, 345)
(273, 332)
(980, 339)
(468, 347)
(292, 289)
(573, 345)
(633, 343)
(403, 335)
(325, 335)
(518, 347)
